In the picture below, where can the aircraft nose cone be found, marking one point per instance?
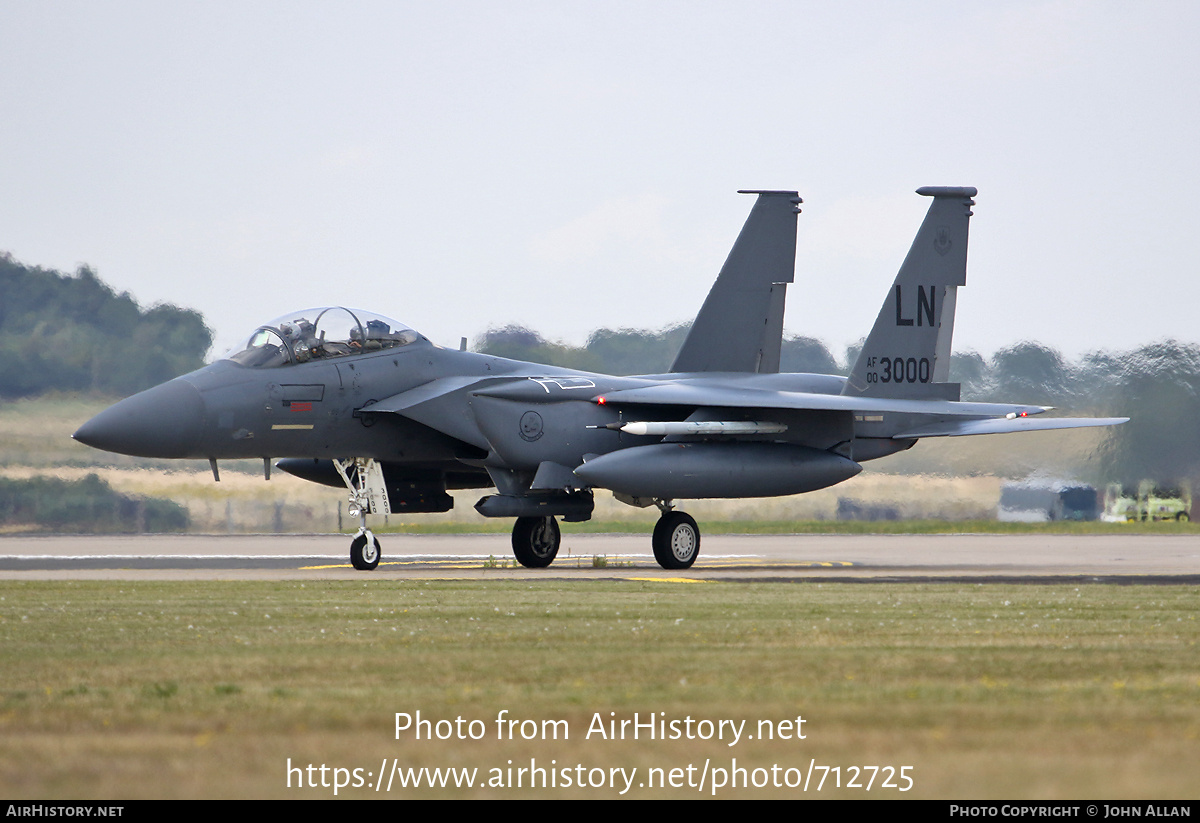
(163, 421)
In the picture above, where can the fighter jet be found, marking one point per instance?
(350, 398)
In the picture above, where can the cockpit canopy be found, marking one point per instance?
(320, 334)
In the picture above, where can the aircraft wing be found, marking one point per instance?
(682, 393)
(959, 428)
(978, 418)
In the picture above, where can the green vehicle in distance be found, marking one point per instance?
(1150, 501)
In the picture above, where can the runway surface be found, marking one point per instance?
(1142, 559)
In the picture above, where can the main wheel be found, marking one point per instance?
(364, 556)
(1182, 517)
(676, 541)
(535, 541)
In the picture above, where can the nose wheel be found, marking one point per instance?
(364, 551)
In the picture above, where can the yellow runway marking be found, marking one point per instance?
(742, 562)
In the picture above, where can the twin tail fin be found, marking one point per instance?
(740, 326)
(907, 353)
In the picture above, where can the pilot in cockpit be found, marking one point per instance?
(296, 339)
(301, 336)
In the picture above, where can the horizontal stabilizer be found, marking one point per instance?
(960, 428)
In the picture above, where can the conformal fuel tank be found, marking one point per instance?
(692, 470)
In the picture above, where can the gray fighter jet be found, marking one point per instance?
(349, 398)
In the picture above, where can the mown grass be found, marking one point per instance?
(206, 689)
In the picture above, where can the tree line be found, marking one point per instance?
(61, 332)
(89, 506)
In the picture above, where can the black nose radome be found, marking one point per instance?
(163, 421)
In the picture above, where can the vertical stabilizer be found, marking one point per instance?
(907, 353)
(740, 325)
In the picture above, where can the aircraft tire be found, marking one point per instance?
(676, 541)
(363, 558)
(1182, 517)
(535, 541)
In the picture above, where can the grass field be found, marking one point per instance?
(125, 690)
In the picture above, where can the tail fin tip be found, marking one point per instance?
(792, 196)
(947, 191)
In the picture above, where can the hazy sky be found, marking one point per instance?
(572, 165)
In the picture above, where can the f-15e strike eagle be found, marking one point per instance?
(348, 397)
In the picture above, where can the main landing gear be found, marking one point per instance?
(535, 541)
(676, 540)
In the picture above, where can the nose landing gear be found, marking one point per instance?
(368, 495)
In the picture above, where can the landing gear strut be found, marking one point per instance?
(535, 541)
(368, 494)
